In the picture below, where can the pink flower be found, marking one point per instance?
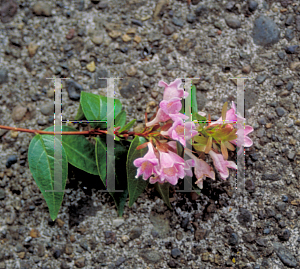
(188, 164)
(171, 167)
(242, 132)
(222, 165)
(243, 139)
(231, 116)
(173, 89)
(172, 106)
(147, 165)
(171, 101)
(177, 130)
(201, 170)
(160, 117)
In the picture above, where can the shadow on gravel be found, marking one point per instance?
(78, 179)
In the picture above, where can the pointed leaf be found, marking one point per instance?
(120, 119)
(224, 110)
(80, 114)
(41, 164)
(194, 102)
(180, 149)
(135, 185)
(224, 150)
(163, 190)
(199, 147)
(208, 145)
(201, 139)
(80, 152)
(95, 107)
(229, 146)
(127, 126)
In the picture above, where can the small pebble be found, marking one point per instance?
(137, 39)
(42, 9)
(12, 159)
(233, 21)
(91, 66)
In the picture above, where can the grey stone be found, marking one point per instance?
(262, 120)
(201, 10)
(164, 60)
(291, 155)
(12, 159)
(129, 87)
(252, 5)
(280, 111)
(175, 253)
(47, 109)
(168, 29)
(285, 255)
(284, 235)
(233, 239)
(74, 90)
(120, 261)
(136, 232)
(290, 20)
(2, 194)
(298, 23)
(290, 85)
(260, 132)
(151, 256)
(161, 224)
(261, 78)
(232, 21)
(265, 31)
(177, 22)
(245, 217)
(190, 18)
(281, 206)
(291, 49)
(101, 83)
(3, 76)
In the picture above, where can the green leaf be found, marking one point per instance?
(201, 139)
(194, 102)
(127, 126)
(163, 190)
(180, 149)
(95, 107)
(135, 185)
(224, 110)
(80, 152)
(120, 119)
(120, 152)
(41, 165)
(197, 190)
(182, 107)
(80, 114)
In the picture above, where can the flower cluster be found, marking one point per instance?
(163, 164)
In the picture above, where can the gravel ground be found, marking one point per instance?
(144, 42)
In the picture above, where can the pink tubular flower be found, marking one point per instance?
(188, 164)
(172, 106)
(201, 170)
(148, 164)
(242, 132)
(171, 101)
(177, 131)
(222, 165)
(243, 139)
(172, 90)
(171, 167)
